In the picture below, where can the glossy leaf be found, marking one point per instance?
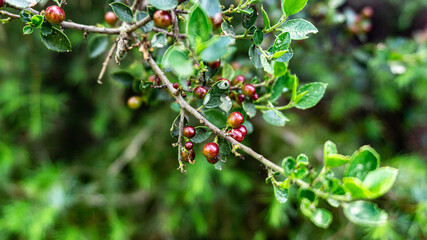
(281, 195)
(278, 88)
(355, 187)
(302, 160)
(199, 26)
(314, 93)
(266, 65)
(46, 28)
(159, 40)
(216, 48)
(258, 37)
(301, 172)
(122, 11)
(213, 96)
(280, 69)
(56, 41)
(26, 16)
(299, 28)
(265, 18)
(175, 126)
(177, 59)
(202, 133)
(321, 218)
(216, 117)
(22, 3)
(249, 108)
(164, 4)
(212, 7)
(37, 21)
(228, 30)
(288, 165)
(26, 30)
(380, 180)
(147, 27)
(255, 56)
(250, 17)
(281, 44)
(97, 45)
(224, 148)
(336, 160)
(307, 194)
(363, 161)
(365, 213)
(275, 118)
(227, 71)
(290, 7)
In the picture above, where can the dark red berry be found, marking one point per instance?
(200, 92)
(162, 18)
(255, 96)
(224, 79)
(54, 14)
(239, 79)
(134, 102)
(368, 12)
(240, 97)
(188, 156)
(211, 150)
(189, 132)
(184, 95)
(1, 3)
(215, 64)
(212, 160)
(243, 130)
(176, 85)
(236, 134)
(249, 90)
(110, 18)
(235, 119)
(216, 20)
(188, 145)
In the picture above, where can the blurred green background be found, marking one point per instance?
(76, 163)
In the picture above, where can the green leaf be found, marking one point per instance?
(365, 213)
(301, 172)
(56, 41)
(37, 21)
(175, 126)
(255, 56)
(363, 161)
(159, 40)
(305, 207)
(228, 30)
(379, 181)
(314, 93)
(286, 56)
(224, 148)
(329, 148)
(265, 18)
(258, 37)
(26, 30)
(226, 103)
(46, 28)
(281, 195)
(147, 27)
(250, 17)
(164, 4)
(213, 96)
(336, 160)
(212, 7)
(199, 26)
(216, 48)
(249, 108)
(177, 59)
(277, 89)
(307, 194)
(227, 71)
(275, 118)
(216, 117)
(299, 28)
(321, 218)
(123, 77)
(280, 69)
(355, 187)
(26, 16)
(266, 65)
(302, 160)
(290, 7)
(97, 45)
(202, 133)
(288, 165)
(281, 44)
(122, 11)
(22, 3)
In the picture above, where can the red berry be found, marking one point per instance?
(110, 18)
(249, 90)
(368, 12)
(224, 79)
(236, 134)
(1, 3)
(134, 102)
(239, 79)
(255, 97)
(176, 85)
(188, 156)
(235, 119)
(243, 130)
(240, 97)
(162, 18)
(54, 14)
(188, 145)
(211, 150)
(200, 92)
(184, 95)
(212, 160)
(189, 132)
(216, 20)
(152, 79)
(215, 64)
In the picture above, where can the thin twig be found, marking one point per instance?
(6, 13)
(105, 63)
(180, 129)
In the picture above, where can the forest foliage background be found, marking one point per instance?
(62, 134)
